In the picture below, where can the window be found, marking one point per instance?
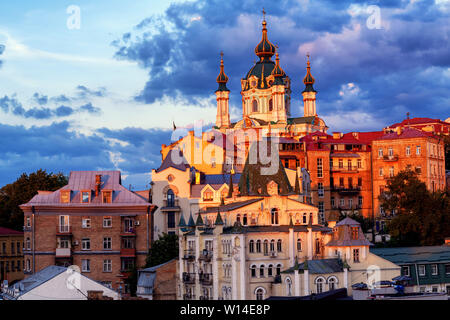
(447, 268)
(86, 223)
(107, 243)
(270, 270)
(350, 203)
(272, 245)
(266, 247)
(391, 172)
(279, 245)
(28, 244)
(359, 163)
(28, 223)
(319, 168)
(355, 233)
(261, 271)
(434, 269)
(64, 224)
(251, 246)
(418, 150)
(342, 202)
(270, 105)
(304, 218)
(128, 243)
(289, 287)
(107, 265)
(421, 268)
(171, 220)
(274, 213)
(333, 204)
(107, 222)
(255, 106)
(317, 246)
(85, 197)
(320, 189)
(349, 165)
(356, 255)
(341, 163)
(380, 153)
(278, 269)
(170, 198)
(299, 245)
(208, 195)
(253, 270)
(127, 264)
(86, 265)
(259, 294)
(359, 182)
(341, 182)
(244, 220)
(332, 283)
(319, 285)
(65, 196)
(13, 248)
(63, 243)
(408, 150)
(360, 201)
(107, 196)
(321, 212)
(258, 246)
(380, 172)
(86, 244)
(390, 152)
(18, 247)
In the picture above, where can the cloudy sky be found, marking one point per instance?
(102, 91)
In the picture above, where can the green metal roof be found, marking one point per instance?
(412, 255)
(320, 266)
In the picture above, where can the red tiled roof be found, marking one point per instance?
(407, 133)
(9, 232)
(417, 121)
(84, 181)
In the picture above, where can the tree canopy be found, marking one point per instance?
(164, 249)
(421, 217)
(21, 191)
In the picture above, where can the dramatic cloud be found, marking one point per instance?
(14, 106)
(58, 147)
(399, 65)
(84, 92)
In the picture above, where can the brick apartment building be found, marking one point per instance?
(11, 255)
(93, 222)
(407, 147)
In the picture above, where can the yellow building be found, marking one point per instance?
(11, 255)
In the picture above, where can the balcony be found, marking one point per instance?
(128, 232)
(346, 190)
(128, 252)
(390, 158)
(189, 297)
(170, 205)
(63, 252)
(345, 169)
(189, 255)
(63, 230)
(205, 279)
(188, 278)
(206, 255)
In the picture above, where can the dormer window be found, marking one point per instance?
(65, 196)
(208, 195)
(355, 233)
(85, 196)
(107, 196)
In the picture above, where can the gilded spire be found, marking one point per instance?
(278, 72)
(309, 79)
(264, 49)
(222, 78)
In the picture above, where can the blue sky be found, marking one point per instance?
(104, 96)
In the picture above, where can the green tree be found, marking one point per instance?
(447, 151)
(21, 191)
(164, 249)
(422, 217)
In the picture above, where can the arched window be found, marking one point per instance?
(238, 218)
(317, 246)
(255, 106)
(251, 247)
(272, 245)
(253, 269)
(270, 105)
(28, 246)
(261, 271)
(332, 283)
(259, 293)
(170, 198)
(319, 284)
(266, 247)
(258, 246)
(278, 269)
(288, 287)
(311, 217)
(304, 218)
(244, 220)
(279, 245)
(299, 244)
(274, 213)
(270, 270)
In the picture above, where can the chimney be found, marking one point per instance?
(98, 183)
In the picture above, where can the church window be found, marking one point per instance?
(255, 106)
(270, 105)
